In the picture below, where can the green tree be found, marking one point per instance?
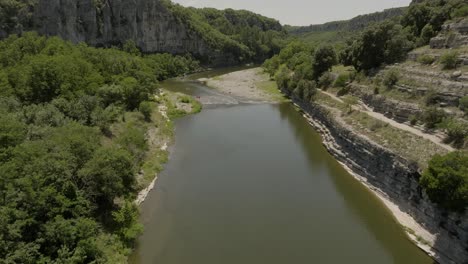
(109, 174)
(446, 180)
(427, 33)
(324, 59)
(146, 110)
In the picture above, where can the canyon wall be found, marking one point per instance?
(148, 23)
(396, 178)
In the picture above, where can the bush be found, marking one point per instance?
(449, 60)
(326, 80)
(460, 12)
(431, 98)
(413, 119)
(457, 132)
(433, 116)
(463, 104)
(446, 181)
(391, 78)
(145, 109)
(426, 59)
(341, 80)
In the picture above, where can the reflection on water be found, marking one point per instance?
(253, 184)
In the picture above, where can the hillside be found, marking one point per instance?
(339, 31)
(399, 87)
(154, 26)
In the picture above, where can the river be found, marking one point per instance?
(252, 184)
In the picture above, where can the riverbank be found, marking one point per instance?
(168, 106)
(392, 176)
(248, 86)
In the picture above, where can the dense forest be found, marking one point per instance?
(303, 67)
(67, 180)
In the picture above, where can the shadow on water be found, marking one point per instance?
(377, 218)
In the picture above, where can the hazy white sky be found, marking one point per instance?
(302, 12)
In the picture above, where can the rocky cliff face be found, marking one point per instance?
(398, 179)
(453, 35)
(148, 23)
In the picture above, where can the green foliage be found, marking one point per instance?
(446, 181)
(146, 110)
(245, 35)
(457, 132)
(463, 104)
(433, 116)
(324, 59)
(462, 11)
(449, 60)
(326, 80)
(391, 78)
(61, 169)
(382, 43)
(426, 59)
(426, 34)
(342, 80)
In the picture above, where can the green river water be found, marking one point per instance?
(252, 184)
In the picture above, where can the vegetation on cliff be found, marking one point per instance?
(446, 180)
(73, 131)
(301, 68)
(247, 35)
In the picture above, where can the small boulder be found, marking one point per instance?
(456, 74)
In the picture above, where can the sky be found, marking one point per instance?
(302, 12)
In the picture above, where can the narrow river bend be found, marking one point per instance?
(252, 184)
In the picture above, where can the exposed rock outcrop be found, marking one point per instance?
(149, 23)
(453, 35)
(396, 110)
(398, 179)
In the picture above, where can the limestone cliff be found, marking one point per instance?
(151, 24)
(397, 179)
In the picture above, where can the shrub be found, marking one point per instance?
(461, 11)
(449, 60)
(431, 98)
(426, 59)
(457, 132)
(463, 104)
(145, 110)
(391, 78)
(376, 90)
(413, 119)
(446, 180)
(341, 80)
(326, 80)
(433, 116)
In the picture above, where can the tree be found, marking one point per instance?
(324, 59)
(107, 175)
(380, 43)
(146, 109)
(446, 180)
(427, 33)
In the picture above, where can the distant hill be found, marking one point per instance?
(337, 31)
(354, 24)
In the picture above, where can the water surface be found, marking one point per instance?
(252, 184)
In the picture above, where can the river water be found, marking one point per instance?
(252, 184)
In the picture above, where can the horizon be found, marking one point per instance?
(290, 14)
